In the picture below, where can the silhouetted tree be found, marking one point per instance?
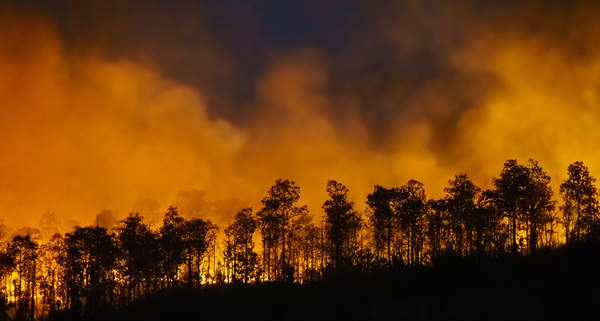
(579, 194)
(139, 254)
(461, 198)
(171, 245)
(51, 285)
(311, 247)
(197, 238)
(436, 229)
(90, 264)
(382, 221)
(492, 231)
(7, 265)
(511, 190)
(23, 252)
(410, 204)
(550, 229)
(241, 248)
(268, 225)
(295, 240)
(211, 251)
(276, 218)
(341, 222)
(537, 203)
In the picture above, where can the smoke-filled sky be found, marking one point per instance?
(137, 105)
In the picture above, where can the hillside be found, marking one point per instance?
(554, 285)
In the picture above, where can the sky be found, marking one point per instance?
(134, 106)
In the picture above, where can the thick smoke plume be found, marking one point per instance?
(424, 91)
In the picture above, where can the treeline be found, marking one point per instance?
(90, 270)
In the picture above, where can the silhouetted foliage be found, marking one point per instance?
(426, 255)
(579, 194)
(90, 262)
(410, 204)
(242, 261)
(341, 223)
(171, 245)
(383, 223)
(198, 237)
(22, 251)
(139, 255)
(461, 200)
(277, 219)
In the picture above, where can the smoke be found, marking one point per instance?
(418, 90)
(83, 133)
(105, 219)
(545, 102)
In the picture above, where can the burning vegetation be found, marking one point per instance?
(91, 270)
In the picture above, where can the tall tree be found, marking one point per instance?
(91, 255)
(268, 225)
(51, 286)
(311, 246)
(511, 190)
(492, 231)
(295, 241)
(277, 216)
(383, 222)
(198, 235)
(139, 254)
(171, 245)
(579, 194)
(241, 245)
(436, 229)
(411, 207)
(341, 222)
(24, 252)
(537, 202)
(461, 198)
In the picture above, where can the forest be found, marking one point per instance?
(471, 252)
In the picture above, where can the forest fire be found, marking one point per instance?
(139, 151)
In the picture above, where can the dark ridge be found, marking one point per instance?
(561, 284)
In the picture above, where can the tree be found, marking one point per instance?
(492, 231)
(268, 224)
(382, 221)
(461, 197)
(341, 222)
(579, 195)
(23, 252)
(211, 241)
(277, 216)
(525, 195)
(51, 283)
(537, 202)
(511, 189)
(90, 264)
(294, 243)
(198, 236)
(241, 246)
(171, 245)
(410, 206)
(436, 230)
(139, 254)
(311, 247)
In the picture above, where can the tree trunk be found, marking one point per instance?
(514, 233)
(33, 293)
